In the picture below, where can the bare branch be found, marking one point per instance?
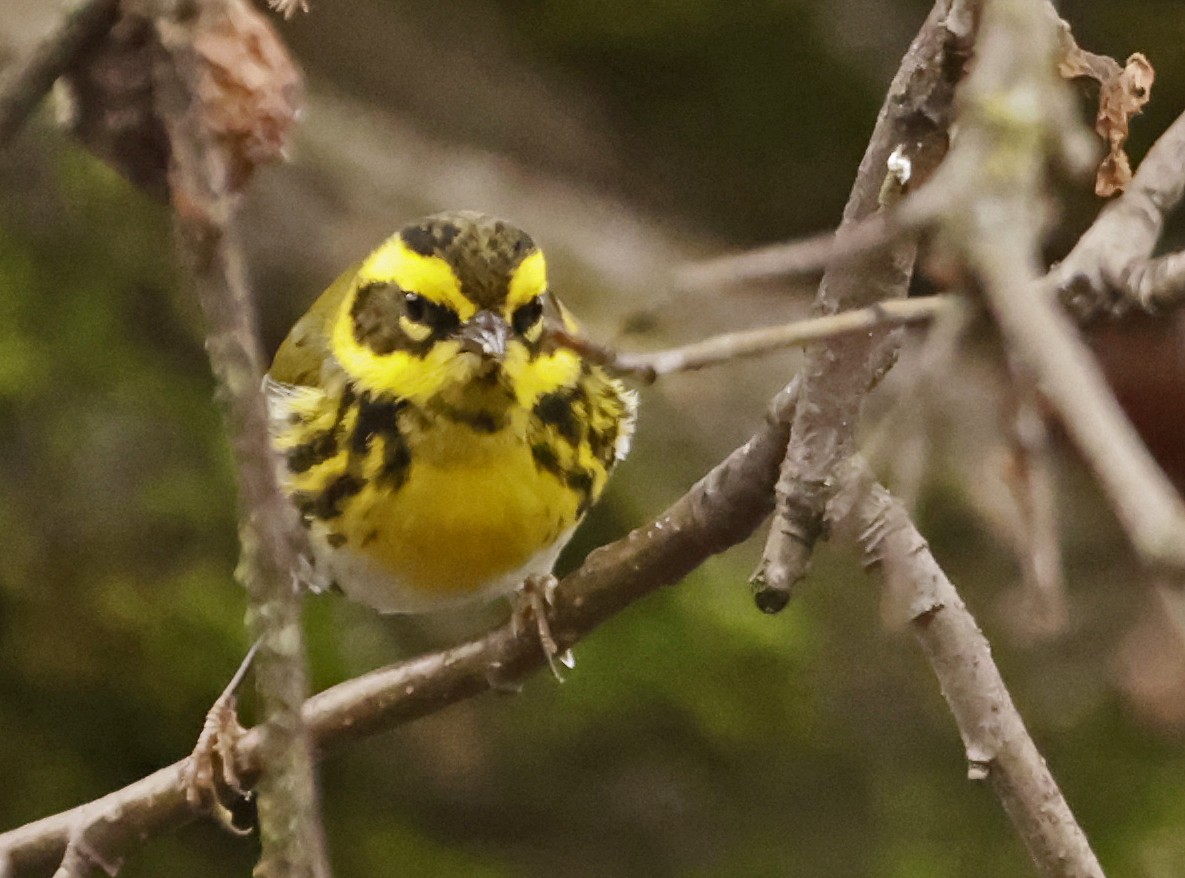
(719, 511)
(1036, 534)
(26, 83)
(647, 367)
(1099, 270)
(1017, 114)
(804, 257)
(1070, 378)
(837, 374)
(902, 438)
(1155, 284)
(998, 747)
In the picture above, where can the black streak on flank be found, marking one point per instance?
(318, 449)
(381, 418)
(375, 418)
(581, 481)
(545, 459)
(325, 505)
(557, 410)
(603, 445)
(320, 446)
(396, 462)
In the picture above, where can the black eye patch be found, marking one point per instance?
(440, 318)
(526, 316)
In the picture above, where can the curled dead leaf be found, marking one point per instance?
(241, 86)
(1123, 92)
(1120, 98)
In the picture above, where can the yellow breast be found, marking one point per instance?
(474, 509)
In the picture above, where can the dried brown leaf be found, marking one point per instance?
(248, 89)
(1123, 91)
(244, 88)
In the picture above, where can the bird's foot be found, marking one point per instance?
(531, 604)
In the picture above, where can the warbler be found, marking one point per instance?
(440, 445)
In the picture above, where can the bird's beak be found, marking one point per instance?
(485, 333)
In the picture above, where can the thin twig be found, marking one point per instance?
(1035, 531)
(804, 257)
(26, 83)
(1070, 379)
(997, 745)
(902, 438)
(647, 367)
(719, 511)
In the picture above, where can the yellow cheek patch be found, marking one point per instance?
(400, 373)
(430, 276)
(528, 281)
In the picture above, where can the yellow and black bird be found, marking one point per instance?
(439, 445)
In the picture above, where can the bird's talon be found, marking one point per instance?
(532, 602)
(210, 777)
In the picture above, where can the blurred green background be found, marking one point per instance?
(696, 737)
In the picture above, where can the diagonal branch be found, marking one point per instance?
(26, 82)
(719, 511)
(1098, 273)
(998, 747)
(1154, 284)
(1018, 116)
(838, 374)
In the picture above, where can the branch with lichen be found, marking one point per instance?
(212, 154)
(1111, 267)
(1018, 117)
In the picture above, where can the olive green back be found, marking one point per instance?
(300, 357)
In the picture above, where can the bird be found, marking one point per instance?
(439, 443)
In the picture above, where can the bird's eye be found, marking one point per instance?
(417, 307)
(527, 315)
